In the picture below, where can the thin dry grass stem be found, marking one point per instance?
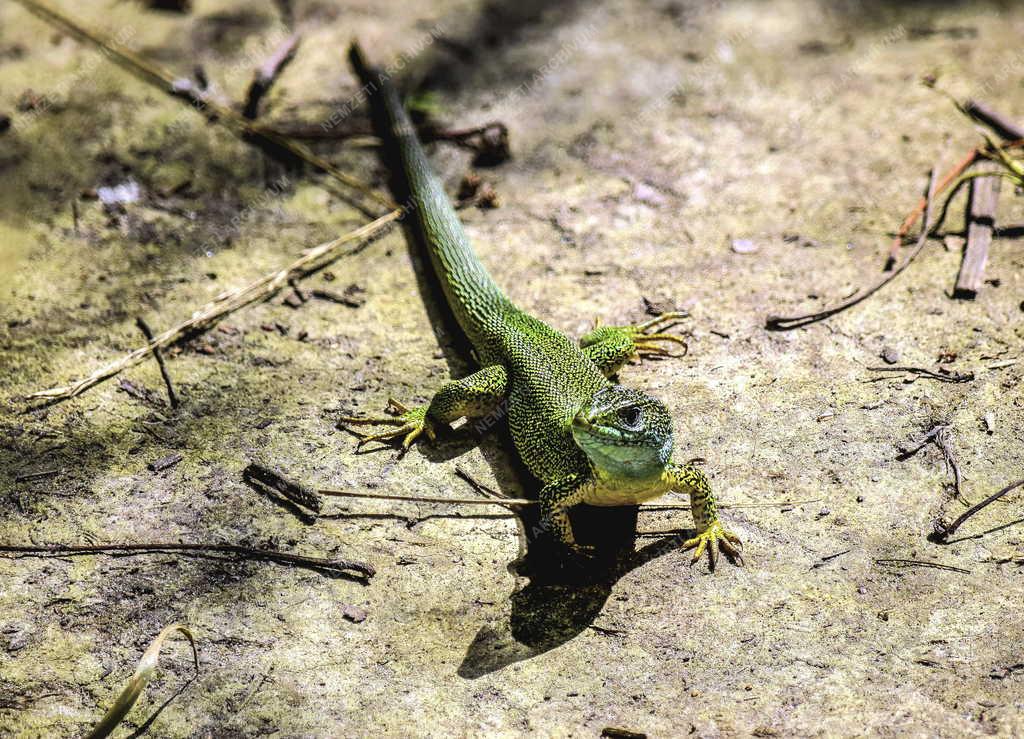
(164, 79)
(221, 306)
(143, 674)
(426, 498)
(785, 323)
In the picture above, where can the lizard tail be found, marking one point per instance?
(471, 292)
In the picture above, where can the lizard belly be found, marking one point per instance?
(623, 492)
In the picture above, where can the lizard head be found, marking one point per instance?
(624, 432)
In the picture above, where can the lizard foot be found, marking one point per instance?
(647, 344)
(641, 339)
(410, 423)
(580, 562)
(713, 538)
(582, 552)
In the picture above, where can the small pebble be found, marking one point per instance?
(890, 355)
(648, 195)
(354, 614)
(744, 246)
(165, 463)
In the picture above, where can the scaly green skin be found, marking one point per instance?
(563, 411)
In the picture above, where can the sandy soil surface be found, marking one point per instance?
(730, 159)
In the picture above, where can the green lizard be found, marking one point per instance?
(585, 438)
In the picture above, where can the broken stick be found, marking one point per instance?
(267, 74)
(1007, 129)
(148, 333)
(981, 212)
(221, 306)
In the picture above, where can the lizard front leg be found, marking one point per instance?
(610, 347)
(711, 534)
(475, 395)
(556, 498)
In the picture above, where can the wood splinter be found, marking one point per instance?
(148, 333)
(980, 224)
(267, 74)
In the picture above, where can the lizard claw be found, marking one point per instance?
(580, 558)
(582, 551)
(711, 539)
(647, 346)
(409, 423)
(647, 343)
(662, 318)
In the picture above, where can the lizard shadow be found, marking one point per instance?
(561, 599)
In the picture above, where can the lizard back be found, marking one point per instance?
(472, 294)
(549, 376)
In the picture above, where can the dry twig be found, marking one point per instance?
(346, 567)
(267, 73)
(158, 355)
(785, 323)
(941, 375)
(922, 563)
(155, 75)
(939, 435)
(224, 304)
(943, 532)
(293, 491)
(1007, 129)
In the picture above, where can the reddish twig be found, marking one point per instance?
(784, 323)
(908, 222)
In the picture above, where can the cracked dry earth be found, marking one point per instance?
(731, 159)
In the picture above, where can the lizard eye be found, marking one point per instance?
(630, 416)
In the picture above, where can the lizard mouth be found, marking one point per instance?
(583, 425)
(581, 421)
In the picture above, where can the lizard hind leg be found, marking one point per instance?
(471, 396)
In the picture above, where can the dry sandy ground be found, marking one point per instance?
(647, 137)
